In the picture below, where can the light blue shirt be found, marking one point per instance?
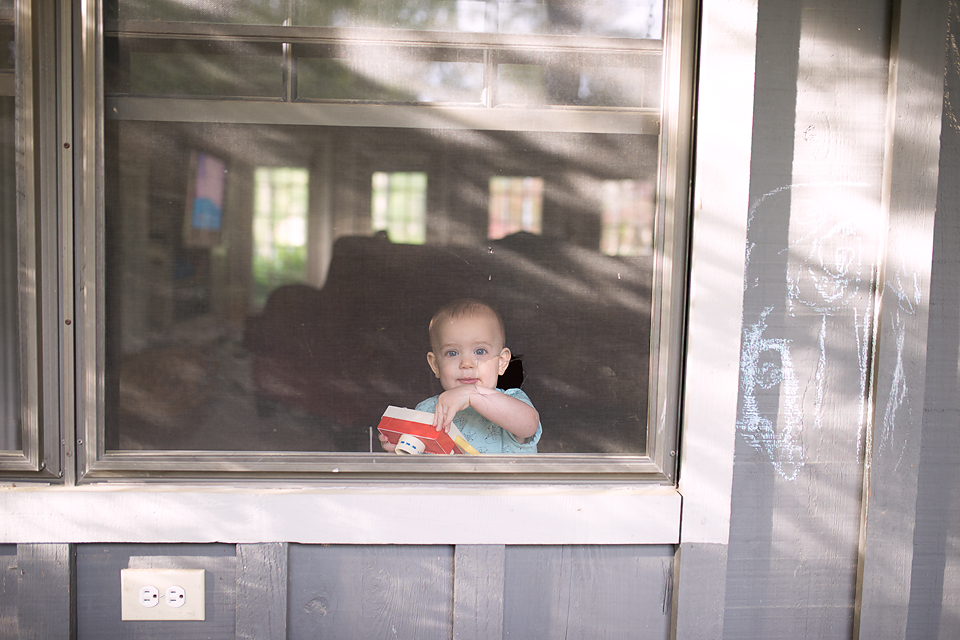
(485, 436)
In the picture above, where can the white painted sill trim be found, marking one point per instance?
(435, 514)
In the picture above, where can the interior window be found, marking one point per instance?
(280, 197)
(400, 205)
(628, 216)
(516, 204)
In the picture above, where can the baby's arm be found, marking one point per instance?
(511, 414)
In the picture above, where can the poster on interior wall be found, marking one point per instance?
(204, 211)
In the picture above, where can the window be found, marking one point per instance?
(279, 229)
(374, 161)
(516, 204)
(628, 215)
(400, 205)
(29, 446)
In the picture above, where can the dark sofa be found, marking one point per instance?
(578, 319)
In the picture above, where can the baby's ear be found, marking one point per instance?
(504, 360)
(432, 361)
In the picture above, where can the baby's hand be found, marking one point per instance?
(449, 403)
(385, 443)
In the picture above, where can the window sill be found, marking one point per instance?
(423, 514)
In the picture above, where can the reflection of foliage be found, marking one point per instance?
(206, 74)
(285, 266)
(333, 80)
(223, 11)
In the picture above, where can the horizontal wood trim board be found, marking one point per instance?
(394, 515)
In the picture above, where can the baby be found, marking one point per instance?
(468, 355)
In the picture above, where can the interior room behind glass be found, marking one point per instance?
(268, 286)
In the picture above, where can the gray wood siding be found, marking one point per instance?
(815, 217)
(98, 590)
(585, 592)
(356, 591)
(934, 610)
(353, 591)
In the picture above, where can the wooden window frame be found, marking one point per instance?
(672, 121)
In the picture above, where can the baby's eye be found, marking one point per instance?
(480, 351)
(451, 354)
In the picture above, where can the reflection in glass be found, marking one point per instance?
(389, 74)
(578, 80)
(607, 18)
(187, 69)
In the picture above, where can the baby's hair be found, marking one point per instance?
(464, 308)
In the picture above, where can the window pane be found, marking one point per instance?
(198, 364)
(389, 74)
(610, 18)
(186, 68)
(10, 433)
(227, 11)
(579, 81)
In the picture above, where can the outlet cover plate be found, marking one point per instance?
(190, 580)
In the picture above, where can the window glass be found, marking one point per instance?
(278, 235)
(610, 18)
(605, 18)
(390, 74)
(10, 433)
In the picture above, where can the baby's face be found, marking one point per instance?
(469, 350)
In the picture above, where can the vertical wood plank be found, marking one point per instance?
(934, 587)
(587, 592)
(9, 578)
(371, 592)
(46, 591)
(698, 606)
(890, 487)
(478, 592)
(262, 591)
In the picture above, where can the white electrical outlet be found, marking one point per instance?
(162, 594)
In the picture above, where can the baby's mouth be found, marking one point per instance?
(468, 380)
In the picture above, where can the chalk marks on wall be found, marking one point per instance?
(765, 363)
(825, 274)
